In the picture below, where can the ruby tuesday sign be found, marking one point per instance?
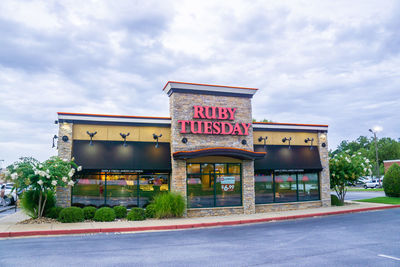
(213, 123)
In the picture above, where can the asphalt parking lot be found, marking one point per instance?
(359, 239)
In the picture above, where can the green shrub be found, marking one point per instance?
(104, 214)
(150, 211)
(391, 181)
(71, 215)
(54, 212)
(136, 214)
(30, 200)
(120, 212)
(89, 212)
(169, 205)
(335, 201)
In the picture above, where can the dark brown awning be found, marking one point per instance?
(283, 158)
(220, 151)
(113, 155)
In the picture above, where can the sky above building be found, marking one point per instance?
(320, 62)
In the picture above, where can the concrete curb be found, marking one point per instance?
(183, 226)
(8, 208)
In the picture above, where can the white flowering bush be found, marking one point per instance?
(28, 173)
(345, 168)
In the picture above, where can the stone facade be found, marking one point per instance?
(181, 108)
(63, 194)
(263, 208)
(325, 189)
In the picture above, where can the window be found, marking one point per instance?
(308, 186)
(279, 187)
(263, 183)
(113, 189)
(216, 185)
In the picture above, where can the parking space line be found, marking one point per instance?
(389, 257)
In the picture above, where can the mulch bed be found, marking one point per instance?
(39, 221)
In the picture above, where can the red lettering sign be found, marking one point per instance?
(214, 127)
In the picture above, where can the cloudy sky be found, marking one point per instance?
(324, 62)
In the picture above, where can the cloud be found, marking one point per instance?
(331, 63)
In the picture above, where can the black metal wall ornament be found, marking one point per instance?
(55, 137)
(124, 137)
(91, 137)
(65, 138)
(323, 144)
(311, 140)
(184, 140)
(155, 137)
(244, 142)
(260, 139)
(287, 139)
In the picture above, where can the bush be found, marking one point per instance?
(30, 200)
(71, 215)
(169, 205)
(136, 214)
(54, 212)
(391, 181)
(104, 214)
(120, 212)
(89, 212)
(335, 201)
(150, 211)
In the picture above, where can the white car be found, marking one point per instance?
(374, 183)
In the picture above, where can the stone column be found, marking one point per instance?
(325, 190)
(63, 194)
(248, 193)
(178, 181)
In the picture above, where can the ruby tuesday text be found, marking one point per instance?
(214, 127)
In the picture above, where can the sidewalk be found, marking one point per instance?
(10, 228)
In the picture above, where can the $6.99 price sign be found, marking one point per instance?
(227, 183)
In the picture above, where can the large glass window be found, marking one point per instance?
(280, 187)
(263, 183)
(113, 189)
(285, 187)
(216, 185)
(308, 186)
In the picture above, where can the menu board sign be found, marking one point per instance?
(227, 183)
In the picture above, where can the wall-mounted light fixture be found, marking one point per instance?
(311, 140)
(184, 140)
(155, 137)
(260, 139)
(287, 139)
(91, 137)
(124, 137)
(54, 137)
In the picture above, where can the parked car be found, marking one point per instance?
(374, 183)
(10, 196)
(363, 180)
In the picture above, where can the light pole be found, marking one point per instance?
(374, 131)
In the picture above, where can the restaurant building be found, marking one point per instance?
(208, 150)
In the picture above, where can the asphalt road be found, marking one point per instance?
(360, 239)
(363, 195)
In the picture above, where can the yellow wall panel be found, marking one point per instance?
(275, 138)
(146, 134)
(80, 132)
(112, 133)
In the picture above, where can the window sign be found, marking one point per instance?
(227, 183)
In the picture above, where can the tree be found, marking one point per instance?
(345, 168)
(29, 173)
(263, 120)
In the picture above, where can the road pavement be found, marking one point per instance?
(359, 239)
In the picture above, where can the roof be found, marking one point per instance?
(208, 89)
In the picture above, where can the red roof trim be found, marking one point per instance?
(113, 116)
(293, 124)
(204, 84)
